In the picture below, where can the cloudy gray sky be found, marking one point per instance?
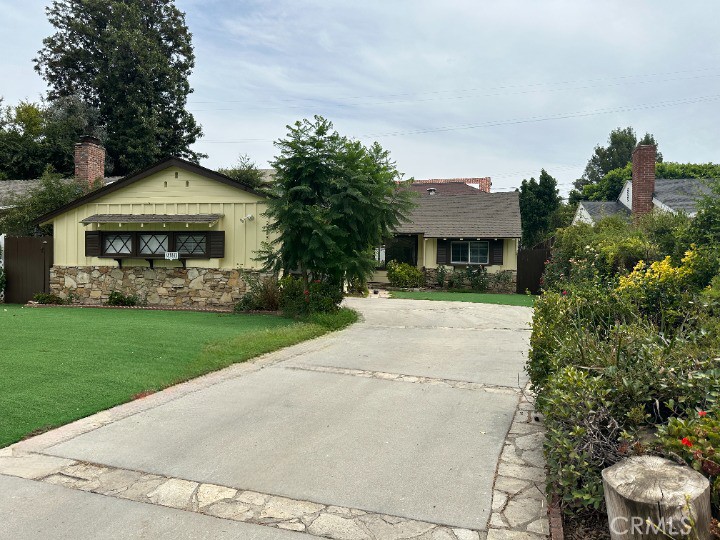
(453, 88)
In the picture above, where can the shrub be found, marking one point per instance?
(441, 275)
(48, 298)
(477, 277)
(696, 439)
(320, 296)
(456, 279)
(2, 279)
(501, 280)
(117, 298)
(263, 293)
(404, 275)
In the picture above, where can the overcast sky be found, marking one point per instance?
(452, 88)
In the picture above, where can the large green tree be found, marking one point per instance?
(334, 201)
(617, 154)
(35, 135)
(131, 60)
(540, 205)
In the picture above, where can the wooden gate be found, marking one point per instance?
(531, 265)
(27, 267)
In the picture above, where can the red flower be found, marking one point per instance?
(702, 413)
(306, 292)
(564, 293)
(686, 442)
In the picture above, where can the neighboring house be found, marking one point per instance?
(457, 227)
(11, 189)
(174, 234)
(644, 193)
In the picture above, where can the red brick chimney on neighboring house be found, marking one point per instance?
(89, 160)
(643, 179)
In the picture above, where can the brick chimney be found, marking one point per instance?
(89, 160)
(643, 179)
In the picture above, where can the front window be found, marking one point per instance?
(191, 244)
(154, 244)
(117, 244)
(470, 252)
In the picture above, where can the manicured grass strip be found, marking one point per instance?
(61, 364)
(480, 298)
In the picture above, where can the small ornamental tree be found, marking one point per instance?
(334, 200)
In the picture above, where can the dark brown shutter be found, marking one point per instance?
(496, 251)
(93, 243)
(443, 251)
(216, 243)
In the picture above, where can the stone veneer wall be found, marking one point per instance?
(508, 288)
(171, 287)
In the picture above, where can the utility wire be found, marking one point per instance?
(490, 88)
(559, 116)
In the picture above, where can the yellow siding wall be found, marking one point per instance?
(188, 194)
(429, 252)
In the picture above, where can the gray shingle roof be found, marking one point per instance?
(680, 194)
(484, 215)
(152, 218)
(603, 209)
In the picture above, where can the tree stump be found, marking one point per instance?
(652, 498)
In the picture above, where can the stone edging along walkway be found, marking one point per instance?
(518, 503)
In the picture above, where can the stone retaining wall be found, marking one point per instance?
(178, 287)
(508, 286)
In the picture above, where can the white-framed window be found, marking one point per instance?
(470, 252)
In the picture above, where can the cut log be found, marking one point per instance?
(652, 498)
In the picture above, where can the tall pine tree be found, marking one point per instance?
(131, 60)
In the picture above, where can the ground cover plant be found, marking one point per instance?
(60, 364)
(624, 351)
(459, 296)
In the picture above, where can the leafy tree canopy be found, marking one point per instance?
(334, 200)
(539, 202)
(131, 61)
(35, 135)
(617, 154)
(246, 172)
(52, 192)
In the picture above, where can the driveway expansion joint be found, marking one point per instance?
(224, 502)
(400, 377)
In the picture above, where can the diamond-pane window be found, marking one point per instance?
(191, 244)
(117, 244)
(154, 244)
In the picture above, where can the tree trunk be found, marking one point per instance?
(652, 498)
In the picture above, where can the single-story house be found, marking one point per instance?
(645, 192)
(456, 226)
(175, 234)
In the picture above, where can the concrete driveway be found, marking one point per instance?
(393, 428)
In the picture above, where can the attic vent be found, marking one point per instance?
(431, 191)
(176, 174)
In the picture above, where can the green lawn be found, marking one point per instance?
(61, 364)
(481, 298)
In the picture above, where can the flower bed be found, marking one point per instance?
(624, 355)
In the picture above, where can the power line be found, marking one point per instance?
(490, 88)
(331, 102)
(559, 116)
